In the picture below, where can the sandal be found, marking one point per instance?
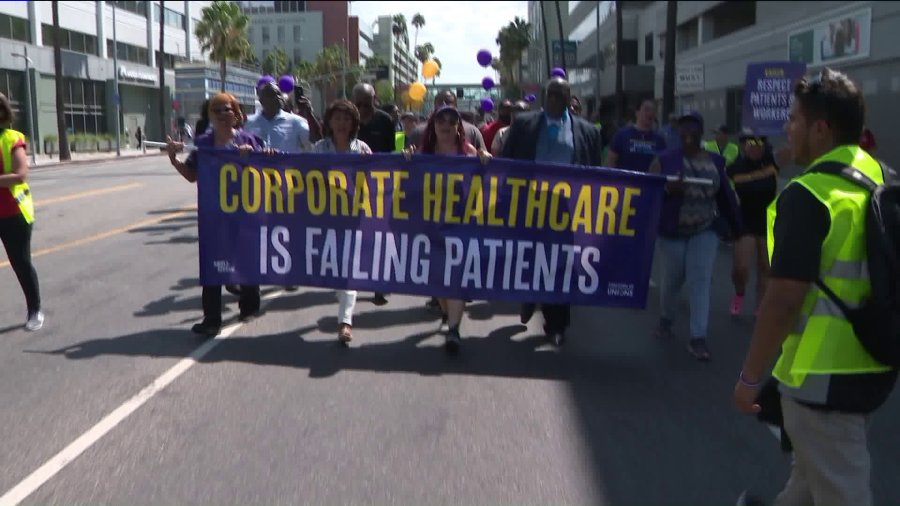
(344, 333)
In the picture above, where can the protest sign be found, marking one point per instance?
(768, 94)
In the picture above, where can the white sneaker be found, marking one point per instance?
(35, 321)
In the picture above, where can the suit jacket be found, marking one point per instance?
(524, 134)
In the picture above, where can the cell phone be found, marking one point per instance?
(298, 92)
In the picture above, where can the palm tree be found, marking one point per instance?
(546, 39)
(64, 153)
(562, 37)
(162, 69)
(424, 52)
(620, 95)
(400, 29)
(513, 39)
(222, 32)
(438, 61)
(375, 62)
(669, 63)
(418, 21)
(276, 62)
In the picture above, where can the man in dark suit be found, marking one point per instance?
(553, 135)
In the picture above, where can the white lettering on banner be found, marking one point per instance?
(137, 75)
(281, 263)
(472, 263)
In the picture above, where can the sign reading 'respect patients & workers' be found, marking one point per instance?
(768, 93)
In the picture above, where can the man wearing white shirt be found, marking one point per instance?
(277, 128)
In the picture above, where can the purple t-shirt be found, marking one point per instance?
(637, 148)
(208, 140)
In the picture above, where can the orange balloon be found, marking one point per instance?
(417, 91)
(430, 69)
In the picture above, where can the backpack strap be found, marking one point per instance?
(847, 172)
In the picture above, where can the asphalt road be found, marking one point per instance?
(278, 414)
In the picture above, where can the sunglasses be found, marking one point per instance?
(754, 142)
(223, 110)
(446, 118)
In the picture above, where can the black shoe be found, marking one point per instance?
(291, 288)
(452, 341)
(748, 499)
(698, 349)
(233, 289)
(207, 328)
(379, 299)
(247, 315)
(432, 303)
(526, 312)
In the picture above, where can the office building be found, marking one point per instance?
(394, 50)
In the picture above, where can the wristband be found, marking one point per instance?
(747, 383)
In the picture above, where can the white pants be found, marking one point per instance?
(346, 303)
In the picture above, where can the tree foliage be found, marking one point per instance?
(513, 39)
(276, 62)
(222, 32)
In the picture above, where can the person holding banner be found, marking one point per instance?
(755, 178)
(687, 241)
(226, 119)
(445, 135)
(341, 125)
(553, 135)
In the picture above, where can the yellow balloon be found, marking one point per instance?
(417, 91)
(430, 69)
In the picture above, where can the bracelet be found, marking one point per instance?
(747, 383)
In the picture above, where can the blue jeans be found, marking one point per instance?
(691, 260)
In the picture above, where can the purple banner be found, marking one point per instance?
(443, 226)
(768, 93)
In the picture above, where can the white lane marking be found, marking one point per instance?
(58, 462)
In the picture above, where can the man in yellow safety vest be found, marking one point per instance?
(722, 146)
(828, 383)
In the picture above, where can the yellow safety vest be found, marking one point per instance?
(730, 154)
(399, 141)
(21, 192)
(823, 341)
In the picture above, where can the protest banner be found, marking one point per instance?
(768, 94)
(443, 226)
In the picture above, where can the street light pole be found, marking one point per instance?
(28, 109)
(116, 77)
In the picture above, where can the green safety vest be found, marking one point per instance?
(9, 138)
(823, 341)
(730, 154)
(399, 141)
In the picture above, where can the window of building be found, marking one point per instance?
(83, 106)
(687, 35)
(250, 34)
(172, 18)
(70, 40)
(14, 28)
(12, 84)
(280, 30)
(139, 8)
(127, 52)
(298, 34)
(169, 59)
(727, 18)
(648, 47)
(265, 35)
(298, 57)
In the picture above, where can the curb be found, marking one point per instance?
(95, 160)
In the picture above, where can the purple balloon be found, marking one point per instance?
(530, 98)
(487, 83)
(286, 84)
(264, 80)
(484, 57)
(487, 105)
(558, 72)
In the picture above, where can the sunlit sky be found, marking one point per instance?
(457, 30)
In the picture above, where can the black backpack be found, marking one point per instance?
(876, 322)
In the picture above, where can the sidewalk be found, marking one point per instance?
(42, 160)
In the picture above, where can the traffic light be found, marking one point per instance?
(459, 93)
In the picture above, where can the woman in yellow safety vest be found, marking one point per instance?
(17, 213)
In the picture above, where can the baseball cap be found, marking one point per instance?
(691, 116)
(445, 108)
(722, 129)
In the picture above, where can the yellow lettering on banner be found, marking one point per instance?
(316, 197)
(516, 184)
(294, 180)
(380, 177)
(493, 219)
(452, 198)
(559, 221)
(398, 195)
(273, 190)
(606, 209)
(628, 211)
(582, 215)
(361, 195)
(537, 201)
(250, 189)
(228, 173)
(475, 202)
(432, 196)
(337, 180)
